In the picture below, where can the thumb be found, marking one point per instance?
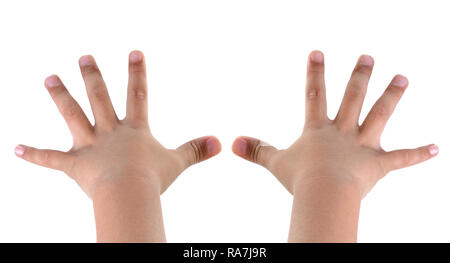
(198, 150)
(254, 150)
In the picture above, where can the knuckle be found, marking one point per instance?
(107, 127)
(316, 69)
(406, 158)
(365, 139)
(69, 167)
(139, 93)
(70, 110)
(278, 162)
(424, 154)
(313, 92)
(353, 92)
(45, 157)
(379, 111)
(99, 94)
(382, 167)
(255, 152)
(196, 151)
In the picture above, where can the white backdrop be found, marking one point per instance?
(225, 68)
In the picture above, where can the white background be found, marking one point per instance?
(225, 68)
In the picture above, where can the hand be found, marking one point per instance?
(334, 163)
(115, 150)
(341, 147)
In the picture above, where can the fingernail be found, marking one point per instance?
(241, 146)
(317, 56)
(211, 146)
(366, 60)
(86, 61)
(136, 57)
(19, 150)
(400, 81)
(433, 149)
(52, 81)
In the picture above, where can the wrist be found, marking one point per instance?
(335, 182)
(122, 183)
(325, 209)
(128, 209)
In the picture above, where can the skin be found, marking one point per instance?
(334, 163)
(118, 163)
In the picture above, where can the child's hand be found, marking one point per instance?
(339, 152)
(115, 149)
(116, 162)
(350, 152)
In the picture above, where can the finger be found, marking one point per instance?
(348, 114)
(254, 150)
(137, 88)
(407, 157)
(76, 120)
(198, 150)
(382, 110)
(101, 105)
(48, 158)
(316, 103)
